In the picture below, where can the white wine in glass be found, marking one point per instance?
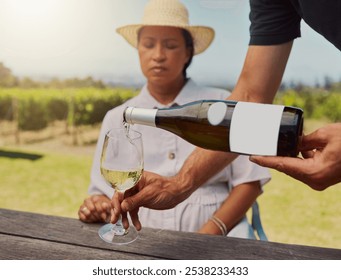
(121, 167)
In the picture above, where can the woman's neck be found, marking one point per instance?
(166, 93)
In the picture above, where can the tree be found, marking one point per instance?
(27, 82)
(328, 83)
(6, 77)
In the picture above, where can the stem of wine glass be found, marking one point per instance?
(118, 227)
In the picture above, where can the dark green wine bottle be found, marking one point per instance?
(212, 124)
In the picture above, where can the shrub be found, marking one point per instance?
(36, 108)
(332, 107)
(6, 109)
(57, 109)
(32, 115)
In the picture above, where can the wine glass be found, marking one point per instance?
(121, 167)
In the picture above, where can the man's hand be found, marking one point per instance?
(320, 166)
(156, 192)
(117, 211)
(152, 191)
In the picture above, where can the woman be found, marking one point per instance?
(166, 44)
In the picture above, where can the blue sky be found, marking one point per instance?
(77, 38)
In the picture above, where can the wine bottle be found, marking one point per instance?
(230, 126)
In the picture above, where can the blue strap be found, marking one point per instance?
(256, 222)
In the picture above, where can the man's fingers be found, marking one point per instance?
(293, 167)
(135, 219)
(314, 140)
(131, 191)
(114, 217)
(116, 207)
(116, 201)
(125, 221)
(308, 154)
(132, 202)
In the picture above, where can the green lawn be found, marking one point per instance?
(57, 183)
(293, 213)
(54, 184)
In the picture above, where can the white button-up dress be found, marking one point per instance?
(165, 153)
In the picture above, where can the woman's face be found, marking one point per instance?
(163, 53)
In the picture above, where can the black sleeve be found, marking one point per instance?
(273, 22)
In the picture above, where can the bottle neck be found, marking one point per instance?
(142, 116)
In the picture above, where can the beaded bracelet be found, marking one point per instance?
(219, 223)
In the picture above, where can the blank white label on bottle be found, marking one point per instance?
(255, 128)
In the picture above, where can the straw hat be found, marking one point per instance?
(168, 13)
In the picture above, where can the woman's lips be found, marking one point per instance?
(158, 69)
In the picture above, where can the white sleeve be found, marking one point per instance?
(243, 171)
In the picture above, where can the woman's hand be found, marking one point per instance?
(95, 208)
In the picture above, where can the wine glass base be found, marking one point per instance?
(115, 235)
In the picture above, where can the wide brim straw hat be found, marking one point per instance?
(168, 13)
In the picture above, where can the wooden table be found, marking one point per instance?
(26, 235)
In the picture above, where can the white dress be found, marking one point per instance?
(165, 153)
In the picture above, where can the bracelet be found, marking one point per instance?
(219, 223)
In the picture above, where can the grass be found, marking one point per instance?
(56, 184)
(293, 213)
